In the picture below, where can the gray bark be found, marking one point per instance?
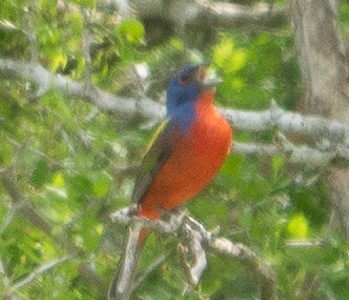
(325, 74)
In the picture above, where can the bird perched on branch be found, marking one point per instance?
(182, 159)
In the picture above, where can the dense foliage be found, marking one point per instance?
(76, 164)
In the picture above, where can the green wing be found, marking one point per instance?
(164, 141)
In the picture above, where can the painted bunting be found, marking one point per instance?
(182, 159)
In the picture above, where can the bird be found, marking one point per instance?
(187, 152)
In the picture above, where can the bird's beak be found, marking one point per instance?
(204, 80)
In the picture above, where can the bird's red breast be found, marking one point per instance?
(195, 159)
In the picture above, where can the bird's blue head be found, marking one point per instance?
(184, 91)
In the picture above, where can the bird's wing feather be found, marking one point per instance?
(164, 141)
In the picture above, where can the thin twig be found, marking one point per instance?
(263, 271)
(28, 211)
(153, 266)
(30, 31)
(37, 272)
(86, 44)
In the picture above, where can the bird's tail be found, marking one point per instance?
(121, 286)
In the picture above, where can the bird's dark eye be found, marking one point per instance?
(184, 79)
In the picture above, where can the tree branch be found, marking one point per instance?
(275, 117)
(29, 213)
(264, 272)
(192, 242)
(41, 77)
(199, 12)
(212, 14)
(192, 233)
(37, 272)
(21, 203)
(335, 155)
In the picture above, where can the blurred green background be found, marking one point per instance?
(76, 164)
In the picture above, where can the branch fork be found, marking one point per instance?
(195, 240)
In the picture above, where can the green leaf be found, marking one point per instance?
(41, 174)
(58, 60)
(298, 227)
(76, 23)
(101, 185)
(79, 186)
(277, 163)
(60, 108)
(132, 30)
(88, 3)
(223, 51)
(58, 180)
(5, 152)
(227, 57)
(238, 61)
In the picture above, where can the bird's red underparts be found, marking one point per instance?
(196, 158)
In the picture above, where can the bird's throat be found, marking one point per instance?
(205, 102)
